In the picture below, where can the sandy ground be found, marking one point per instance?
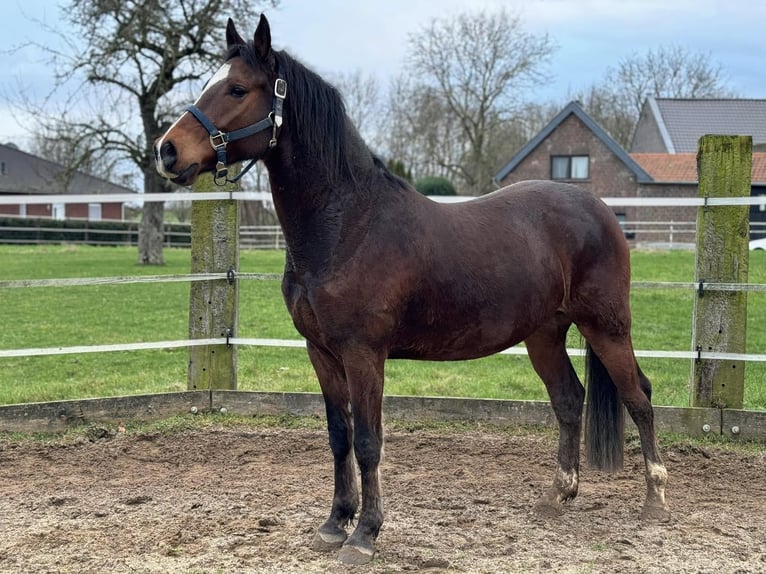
(248, 499)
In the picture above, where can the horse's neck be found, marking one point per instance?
(324, 219)
(321, 224)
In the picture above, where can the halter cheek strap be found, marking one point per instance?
(219, 140)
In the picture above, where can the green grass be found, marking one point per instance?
(65, 316)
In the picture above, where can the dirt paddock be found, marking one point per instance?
(248, 498)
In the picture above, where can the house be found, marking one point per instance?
(22, 173)
(572, 147)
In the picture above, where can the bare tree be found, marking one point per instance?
(74, 155)
(666, 72)
(474, 70)
(361, 94)
(417, 133)
(134, 53)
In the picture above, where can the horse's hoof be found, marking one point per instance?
(547, 508)
(328, 540)
(351, 555)
(655, 514)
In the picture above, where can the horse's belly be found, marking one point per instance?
(452, 344)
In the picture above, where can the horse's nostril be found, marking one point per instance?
(168, 154)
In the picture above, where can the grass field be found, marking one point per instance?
(65, 316)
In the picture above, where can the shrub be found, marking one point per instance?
(435, 186)
(397, 168)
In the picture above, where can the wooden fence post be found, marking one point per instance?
(720, 317)
(213, 305)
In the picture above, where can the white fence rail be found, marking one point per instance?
(265, 196)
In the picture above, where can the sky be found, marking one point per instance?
(337, 36)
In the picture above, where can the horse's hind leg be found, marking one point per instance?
(615, 352)
(332, 534)
(547, 351)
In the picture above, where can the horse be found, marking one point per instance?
(375, 271)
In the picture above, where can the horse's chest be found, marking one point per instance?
(307, 315)
(300, 309)
(329, 313)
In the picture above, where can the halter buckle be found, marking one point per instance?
(218, 140)
(221, 173)
(280, 88)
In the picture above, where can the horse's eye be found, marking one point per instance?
(238, 92)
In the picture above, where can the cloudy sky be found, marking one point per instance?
(336, 36)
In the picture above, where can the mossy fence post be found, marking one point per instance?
(213, 305)
(720, 317)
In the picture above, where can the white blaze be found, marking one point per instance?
(219, 76)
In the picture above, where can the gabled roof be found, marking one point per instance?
(24, 173)
(682, 121)
(606, 139)
(682, 167)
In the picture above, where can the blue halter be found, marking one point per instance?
(219, 140)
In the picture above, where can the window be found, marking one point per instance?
(59, 211)
(94, 212)
(569, 167)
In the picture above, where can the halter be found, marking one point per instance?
(219, 140)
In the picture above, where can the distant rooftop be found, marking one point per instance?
(25, 173)
(684, 120)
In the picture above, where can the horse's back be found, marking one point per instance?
(532, 220)
(555, 205)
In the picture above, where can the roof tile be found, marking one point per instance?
(682, 167)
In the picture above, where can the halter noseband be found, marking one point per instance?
(219, 140)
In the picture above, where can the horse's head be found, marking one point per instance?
(236, 117)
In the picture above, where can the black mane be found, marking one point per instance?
(314, 110)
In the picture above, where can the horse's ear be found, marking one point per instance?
(232, 36)
(262, 40)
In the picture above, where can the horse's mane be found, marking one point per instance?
(314, 109)
(316, 112)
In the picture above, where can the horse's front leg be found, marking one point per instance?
(332, 378)
(364, 373)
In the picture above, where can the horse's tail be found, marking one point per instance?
(604, 418)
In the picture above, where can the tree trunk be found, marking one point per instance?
(150, 230)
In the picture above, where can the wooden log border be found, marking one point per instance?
(62, 415)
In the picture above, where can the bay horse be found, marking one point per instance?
(374, 270)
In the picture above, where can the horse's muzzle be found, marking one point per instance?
(165, 157)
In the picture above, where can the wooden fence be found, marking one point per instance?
(37, 231)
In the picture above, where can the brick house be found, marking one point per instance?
(575, 149)
(22, 173)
